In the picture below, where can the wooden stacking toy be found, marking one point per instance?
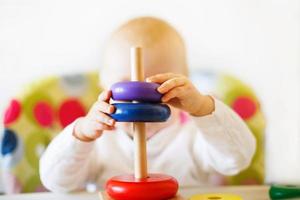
(143, 105)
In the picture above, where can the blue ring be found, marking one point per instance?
(140, 112)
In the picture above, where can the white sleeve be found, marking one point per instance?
(225, 144)
(67, 164)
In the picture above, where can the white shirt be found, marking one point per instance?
(191, 152)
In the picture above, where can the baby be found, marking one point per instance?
(202, 138)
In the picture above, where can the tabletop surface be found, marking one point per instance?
(246, 192)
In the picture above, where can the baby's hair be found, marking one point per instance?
(147, 31)
(163, 50)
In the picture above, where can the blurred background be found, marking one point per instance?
(255, 40)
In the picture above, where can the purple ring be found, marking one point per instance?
(136, 91)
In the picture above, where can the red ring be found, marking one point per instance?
(155, 187)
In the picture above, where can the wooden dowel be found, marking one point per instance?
(139, 130)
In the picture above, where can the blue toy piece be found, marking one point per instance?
(140, 112)
(136, 91)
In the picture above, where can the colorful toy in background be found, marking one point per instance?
(33, 118)
(242, 99)
(44, 107)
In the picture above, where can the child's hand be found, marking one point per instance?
(178, 91)
(91, 126)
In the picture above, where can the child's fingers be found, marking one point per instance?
(97, 129)
(105, 96)
(170, 84)
(102, 127)
(160, 78)
(103, 118)
(176, 92)
(105, 107)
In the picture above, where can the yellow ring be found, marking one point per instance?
(215, 196)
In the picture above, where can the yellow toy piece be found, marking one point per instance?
(216, 196)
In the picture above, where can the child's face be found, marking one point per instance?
(160, 55)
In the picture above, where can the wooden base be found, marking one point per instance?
(104, 196)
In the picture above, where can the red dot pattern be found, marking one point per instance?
(43, 113)
(12, 112)
(70, 110)
(245, 107)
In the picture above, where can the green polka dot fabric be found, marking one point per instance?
(33, 118)
(243, 100)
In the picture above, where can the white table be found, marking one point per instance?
(246, 192)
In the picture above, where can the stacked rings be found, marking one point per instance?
(147, 110)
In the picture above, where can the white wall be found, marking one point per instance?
(258, 40)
